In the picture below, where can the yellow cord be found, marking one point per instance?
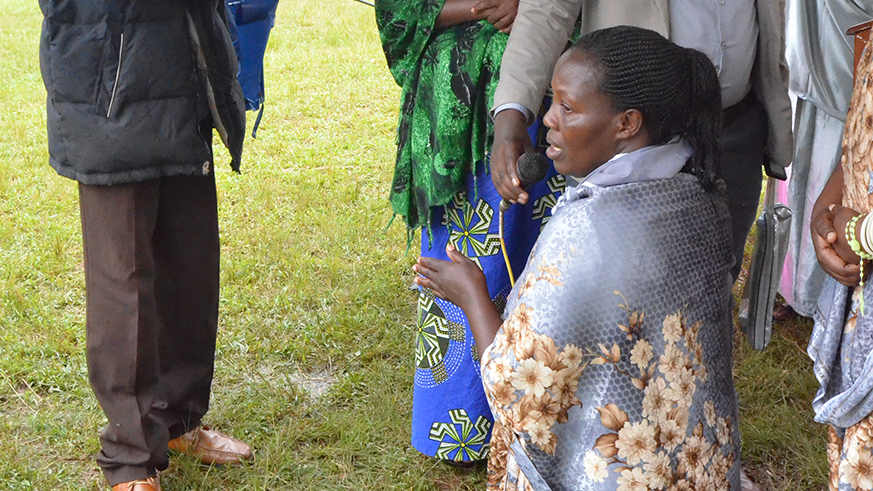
(503, 248)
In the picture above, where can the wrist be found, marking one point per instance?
(510, 121)
(851, 233)
(863, 235)
(855, 226)
(477, 299)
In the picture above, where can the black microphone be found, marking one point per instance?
(531, 167)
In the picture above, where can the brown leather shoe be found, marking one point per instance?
(211, 447)
(150, 484)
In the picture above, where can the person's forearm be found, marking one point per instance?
(457, 12)
(484, 321)
(831, 194)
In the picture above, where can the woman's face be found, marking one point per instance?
(584, 125)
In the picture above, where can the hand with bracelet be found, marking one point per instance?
(855, 243)
(854, 240)
(828, 225)
(842, 217)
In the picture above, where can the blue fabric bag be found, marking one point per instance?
(253, 20)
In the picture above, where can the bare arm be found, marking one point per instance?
(461, 282)
(500, 13)
(457, 12)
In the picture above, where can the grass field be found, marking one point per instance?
(315, 338)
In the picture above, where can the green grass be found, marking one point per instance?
(783, 448)
(315, 341)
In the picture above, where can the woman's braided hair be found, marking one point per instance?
(676, 89)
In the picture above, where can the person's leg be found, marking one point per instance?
(186, 252)
(742, 156)
(122, 349)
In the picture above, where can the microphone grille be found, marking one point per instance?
(532, 167)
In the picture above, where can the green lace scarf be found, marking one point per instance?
(448, 78)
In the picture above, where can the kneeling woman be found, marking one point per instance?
(612, 368)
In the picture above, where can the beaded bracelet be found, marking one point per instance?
(860, 251)
(866, 235)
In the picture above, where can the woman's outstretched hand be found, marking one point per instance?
(459, 281)
(831, 247)
(499, 13)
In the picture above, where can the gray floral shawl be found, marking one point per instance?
(612, 369)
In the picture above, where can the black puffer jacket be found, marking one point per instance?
(127, 88)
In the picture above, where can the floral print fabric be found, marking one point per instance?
(604, 380)
(850, 457)
(537, 392)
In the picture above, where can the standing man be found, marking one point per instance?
(135, 88)
(743, 38)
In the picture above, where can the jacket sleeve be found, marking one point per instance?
(770, 82)
(539, 36)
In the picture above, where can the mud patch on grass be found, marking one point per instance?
(316, 383)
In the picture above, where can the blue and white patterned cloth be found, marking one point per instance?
(450, 415)
(841, 348)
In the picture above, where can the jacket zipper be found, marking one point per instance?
(117, 74)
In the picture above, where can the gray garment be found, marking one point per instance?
(726, 32)
(645, 164)
(656, 247)
(843, 356)
(663, 162)
(660, 162)
(820, 59)
(542, 27)
(819, 53)
(814, 162)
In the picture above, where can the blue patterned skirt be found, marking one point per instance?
(450, 415)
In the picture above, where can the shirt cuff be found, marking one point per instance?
(528, 114)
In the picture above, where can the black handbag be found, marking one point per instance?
(765, 271)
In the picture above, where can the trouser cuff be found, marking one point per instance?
(128, 473)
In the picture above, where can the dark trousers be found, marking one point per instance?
(151, 275)
(742, 141)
